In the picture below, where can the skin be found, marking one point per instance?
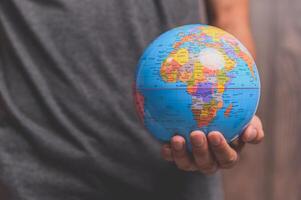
(211, 153)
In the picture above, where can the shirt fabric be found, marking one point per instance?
(68, 126)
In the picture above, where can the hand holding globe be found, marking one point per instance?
(197, 85)
(212, 152)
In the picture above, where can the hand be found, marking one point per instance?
(212, 152)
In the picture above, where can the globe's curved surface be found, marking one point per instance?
(196, 77)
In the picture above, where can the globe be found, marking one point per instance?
(196, 77)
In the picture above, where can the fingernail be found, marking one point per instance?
(252, 134)
(197, 140)
(178, 146)
(215, 140)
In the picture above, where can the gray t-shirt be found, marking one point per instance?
(68, 127)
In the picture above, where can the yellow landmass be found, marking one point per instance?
(181, 56)
(205, 115)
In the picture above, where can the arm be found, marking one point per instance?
(212, 152)
(233, 17)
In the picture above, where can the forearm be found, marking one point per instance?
(233, 16)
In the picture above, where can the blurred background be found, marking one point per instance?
(272, 170)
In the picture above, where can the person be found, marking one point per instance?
(68, 128)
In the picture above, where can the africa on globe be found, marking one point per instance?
(196, 77)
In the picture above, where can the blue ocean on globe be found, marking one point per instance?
(196, 77)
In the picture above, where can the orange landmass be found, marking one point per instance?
(205, 115)
(248, 60)
(228, 110)
(183, 40)
(191, 89)
(169, 70)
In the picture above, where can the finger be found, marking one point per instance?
(256, 122)
(260, 133)
(249, 134)
(201, 153)
(254, 132)
(180, 155)
(166, 152)
(224, 154)
(237, 144)
(259, 138)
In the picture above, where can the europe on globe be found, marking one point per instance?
(196, 77)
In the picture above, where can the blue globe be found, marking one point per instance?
(196, 77)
